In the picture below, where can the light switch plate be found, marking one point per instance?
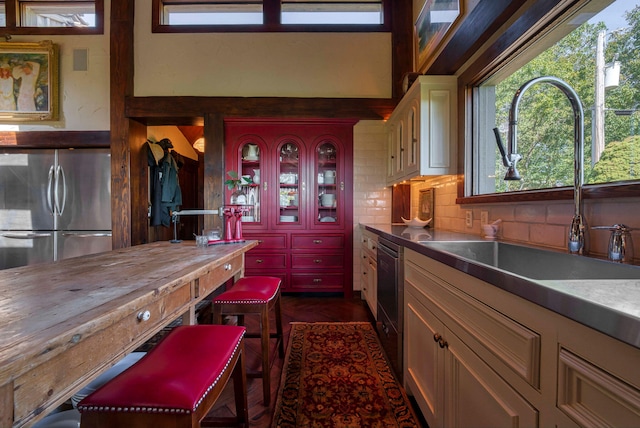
(484, 217)
(468, 218)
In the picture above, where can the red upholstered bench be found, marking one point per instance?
(255, 295)
(175, 384)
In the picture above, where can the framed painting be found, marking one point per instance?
(435, 20)
(425, 204)
(28, 81)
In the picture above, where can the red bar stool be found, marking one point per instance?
(255, 295)
(176, 384)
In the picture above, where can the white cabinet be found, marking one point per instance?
(476, 355)
(452, 385)
(422, 130)
(369, 269)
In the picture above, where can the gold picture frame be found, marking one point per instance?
(426, 204)
(28, 81)
(435, 20)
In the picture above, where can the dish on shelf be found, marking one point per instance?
(288, 218)
(416, 222)
(327, 219)
(251, 158)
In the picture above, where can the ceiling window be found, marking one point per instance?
(3, 15)
(595, 54)
(57, 14)
(212, 13)
(259, 15)
(53, 17)
(331, 12)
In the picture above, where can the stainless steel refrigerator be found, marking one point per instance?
(54, 204)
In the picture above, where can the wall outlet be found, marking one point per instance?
(484, 217)
(468, 218)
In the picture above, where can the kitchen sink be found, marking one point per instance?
(535, 263)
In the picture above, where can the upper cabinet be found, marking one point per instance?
(422, 130)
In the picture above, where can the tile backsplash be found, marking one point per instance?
(540, 223)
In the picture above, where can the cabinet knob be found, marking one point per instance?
(317, 241)
(317, 261)
(258, 261)
(227, 266)
(144, 315)
(316, 280)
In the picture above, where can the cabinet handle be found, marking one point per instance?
(259, 261)
(317, 261)
(227, 266)
(317, 241)
(264, 186)
(342, 185)
(364, 273)
(260, 241)
(436, 337)
(144, 315)
(317, 280)
(443, 343)
(364, 257)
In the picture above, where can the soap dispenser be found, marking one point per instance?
(620, 244)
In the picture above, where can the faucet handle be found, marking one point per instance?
(620, 243)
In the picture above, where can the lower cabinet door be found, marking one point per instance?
(452, 385)
(423, 374)
(475, 396)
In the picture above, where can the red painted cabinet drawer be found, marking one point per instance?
(323, 281)
(317, 241)
(267, 242)
(306, 261)
(265, 261)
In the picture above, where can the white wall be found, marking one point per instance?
(84, 95)
(260, 64)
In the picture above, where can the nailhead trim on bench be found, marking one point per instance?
(82, 408)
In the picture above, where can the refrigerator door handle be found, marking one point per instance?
(49, 191)
(26, 235)
(61, 180)
(86, 234)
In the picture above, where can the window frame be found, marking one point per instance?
(12, 13)
(271, 13)
(513, 43)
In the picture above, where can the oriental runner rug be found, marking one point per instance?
(336, 375)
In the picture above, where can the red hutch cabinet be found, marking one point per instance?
(301, 199)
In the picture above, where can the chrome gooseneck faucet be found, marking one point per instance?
(577, 238)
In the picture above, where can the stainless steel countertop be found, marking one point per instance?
(610, 306)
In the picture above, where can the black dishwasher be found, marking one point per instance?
(390, 301)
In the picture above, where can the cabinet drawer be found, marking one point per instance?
(589, 394)
(311, 281)
(206, 284)
(265, 261)
(317, 241)
(267, 242)
(306, 261)
(60, 375)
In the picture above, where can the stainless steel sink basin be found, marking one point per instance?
(534, 263)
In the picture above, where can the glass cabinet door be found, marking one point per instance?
(289, 178)
(327, 179)
(250, 176)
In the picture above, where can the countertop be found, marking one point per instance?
(611, 306)
(63, 323)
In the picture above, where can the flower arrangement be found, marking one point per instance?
(234, 181)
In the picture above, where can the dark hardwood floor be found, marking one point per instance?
(294, 308)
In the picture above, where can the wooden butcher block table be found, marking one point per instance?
(64, 323)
